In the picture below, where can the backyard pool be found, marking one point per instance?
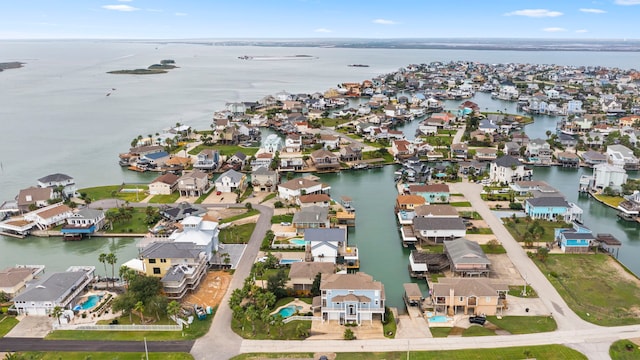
(299, 242)
(439, 319)
(89, 303)
(289, 261)
(285, 312)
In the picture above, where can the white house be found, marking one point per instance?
(508, 169)
(272, 143)
(622, 156)
(203, 233)
(607, 175)
(325, 244)
(301, 186)
(439, 229)
(67, 183)
(164, 184)
(293, 143)
(49, 216)
(230, 181)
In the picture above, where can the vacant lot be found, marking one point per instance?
(211, 290)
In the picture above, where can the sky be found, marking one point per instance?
(287, 19)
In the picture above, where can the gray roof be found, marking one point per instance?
(170, 250)
(263, 171)
(463, 251)
(182, 210)
(53, 287)
(435, 223)
(594, 155)
(333, 234)
(311, 214)
(234, 175)
(507, 161)
(55, 178)
(87, 213)
(577, 235)
(548, 201)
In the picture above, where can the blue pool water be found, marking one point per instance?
(438, 319)
(285, 312)
(91, 301)
(576, 242)
(289, 261)
(299, 242)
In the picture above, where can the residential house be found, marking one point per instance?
(520, 138)
(512, 148)
(33, 197)
(62, 181)
(609, 176)
(84, 221)
(303, 274)
(568, 159)
(58, 289)
(272, 143)
(432, 193)
(180, 211)
(293, 143)
(402, 149)
(593, 158)
(231, 181)
(301, 186)
(351, 298)
(567, 140)
(324, 245)
(325, 160)
(486, 154)
(408, 202)
(438, 229)
(351, 152)
(311, 217)
(238, 160)
(262, 160)
(507, 169)
(539, 152)
(467, 258)
(49, 216)
(329, 142)
(620, 155)
(207, 159)
(487, 126)
(203, 233)
(181, 266)
(529, 187)
(577, 239)
(292, 164)
(469, 296)
(156, 160)
(552, 208)
(322, 200)
(263, 179)
(446, 211)
(164, 184)
(15, 279)
(195, 183)
(459, 151)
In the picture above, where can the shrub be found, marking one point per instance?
(278, 205)
(349, 335)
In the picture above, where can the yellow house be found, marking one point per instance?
(469, 296)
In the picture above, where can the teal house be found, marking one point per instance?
(574, 240)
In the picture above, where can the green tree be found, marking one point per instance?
(543, 253)
(278, 322)
(112, 259)
(144, 287)
(348, 334)
(527, 238)
(139, 307)
(125, 303)
(173, 308)
(252, 314)
(315, 287)
(275, 284)
(126, 274)
(158, 305)
(57, 312)
(103, 259)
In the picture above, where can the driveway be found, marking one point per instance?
(31, 327)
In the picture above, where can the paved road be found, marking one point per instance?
(37, 344)
(221, 342)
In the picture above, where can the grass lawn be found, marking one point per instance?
(277, 219)
(612, 201)
(227, 150)
(113, 192)
(547, 352)
(247, 214)
(493, 249)
(439, 332)
(368, 155)
(268, 197)
(460, 204)
(136, 225)
(202, 197)
(389, 329)
(6, 324)
(624, 350)
(289, 331)
(434, 249)
(261, 356)
(518, 229)
(524, 324)
(477, 331)
(593, 287)
(332, 122)
(484, 231)
(272, 272)
(195, 330)
(473, 215)
(165, 199)
(56, 355)
(438, 140)
(447, 132)
(237, 234)
(516, 290)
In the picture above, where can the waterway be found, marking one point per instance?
(56, 117)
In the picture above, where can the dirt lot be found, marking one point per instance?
(211, 290)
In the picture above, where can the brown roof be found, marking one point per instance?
(11, 277)
(468, 287)
(178, 160)
(312, 198)
(299, 183)
(167, 178)
(264, 156)
(196, 174)
(309, 270)
(36, 193)
(429, 188)
(322, 153)
(436, 210)
(410, 199)
(46, 213)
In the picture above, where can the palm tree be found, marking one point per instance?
(112, 259)
(103, 259)
(139, 307)
(252, 315)
(173, 308)
(57, 312)
(278, 321)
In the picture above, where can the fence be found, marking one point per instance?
(125, 327)
(303, 318)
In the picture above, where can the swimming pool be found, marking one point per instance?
(91, 301)
(439, 319)
(299, 242)
(285, 312)
(289, 261)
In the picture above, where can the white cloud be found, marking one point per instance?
(593, 11)
(536, 13)
(125, 0)
(627, 2)
(384, 22)
(181, 14)
(120, 7)
(554, 29)
(582, 31)
(322, 30)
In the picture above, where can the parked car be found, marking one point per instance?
(480, 320)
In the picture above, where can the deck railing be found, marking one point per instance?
(304, 318)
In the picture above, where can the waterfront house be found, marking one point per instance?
(445, 211)
(322, 200)
(512, 148)
(522, 188)
(325, 160)
(487, 126)
(164, 184)
(311, 217)
(33, 196)
(567, 140)
(552, 208)
(324, 245)
(471, 168)
(577, 239)
(301, 186)
(351, 152)
(194, 183)
(62, 181)
(180, 266)
(459, 151)
(49, 216)
(422, 263)
(466, 258)
(608, 176)
(84, 221)
(303, 274)
(264, 180)
(329, 142)
(15, 279)
(272, 143)
(401, 149)
(507, 169)
(621, 155)
(230, 181)
(438, 229)
(432, 193)
(568, 159)
(196, 230)
(351, 298)
(293, 143)
(177, 212)
(237, 160)
(593, 158)
(156, 159)
(408, 202)
(207, 160)
(58, 289)
(262, 160)
(486, 154)
(479, 296)
(539, 152)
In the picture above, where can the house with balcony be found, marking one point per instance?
(577, 239)
(325, 160)
(301, 186)
(62, 181)
(459, 151)
(622, 156)
(292, 164)
(507, 169)
(324, 244)
(194, 183)
(438, 229)
(272, 143)
(49, 216)
(408, 202)
(262, 160)
(312, 217)
(207, 160)
(469, 296)
(85, 221)
(293, 143)
(552, 208)
(401, 149)
(432, 193)
(351, 152)
(439, 210)
(58, 289)
(351, 298)
(466, 258)
(568, 159)
(607, 175)
(264, 180)
(181, 266)
(539, 152)
(593, 158)
(534, 188)
(322, 200)
(486, 154)
(230, 181)
(164, 184)
(203, 234)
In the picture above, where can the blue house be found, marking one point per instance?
(574, 240)
(351, 298)
(552, 208)
(83, 222)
